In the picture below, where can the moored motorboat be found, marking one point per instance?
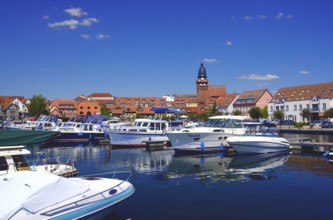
(259, 138)
(78, 132)
(25, 137)
(141, 132)
(12, 159)
(34, 195)
(210, 137)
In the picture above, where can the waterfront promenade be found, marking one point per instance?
(292, 129)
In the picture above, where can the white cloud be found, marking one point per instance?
(304, 72)
(261, 17)
(247, 18)
(210, 60)
(71, 24)
(88, 21)
(85, 36)
(102, 36)
(281, 15)
(259, 77)
(46, 17)
(228, 43)
(76, 12)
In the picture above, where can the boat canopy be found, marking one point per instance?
(25, 137)
(165, 110)
(35, 191)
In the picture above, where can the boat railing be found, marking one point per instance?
(113, 174)
(13, 165)
(55, 161)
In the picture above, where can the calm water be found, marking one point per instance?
(290, 186)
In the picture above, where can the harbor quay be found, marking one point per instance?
(312, 140)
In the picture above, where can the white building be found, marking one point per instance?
(292, 100)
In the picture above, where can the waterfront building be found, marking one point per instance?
(13, 107)
(226, 105)
(250, 99)
(65, 108)
(292, 100)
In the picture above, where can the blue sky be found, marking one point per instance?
(65, 48)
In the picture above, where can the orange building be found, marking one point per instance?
(65, 108)
(89, 108)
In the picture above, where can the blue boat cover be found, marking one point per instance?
(165, 110)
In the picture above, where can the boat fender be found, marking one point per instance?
(326, 153)
(221, 147)
(89, 136)
(202, 146)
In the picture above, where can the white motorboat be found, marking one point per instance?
(79, 132)
(209, 137)
(35, 195)
(141, 132)
(259, 138)
(44, 122)
(114, 123)
(12, 159)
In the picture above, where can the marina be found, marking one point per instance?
(289, 185)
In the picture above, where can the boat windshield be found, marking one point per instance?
(215, 122)
(261, 130)
(224, 123)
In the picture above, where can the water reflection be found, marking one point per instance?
(92, 159)
(226, 168)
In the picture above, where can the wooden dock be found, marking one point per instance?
(310, 145)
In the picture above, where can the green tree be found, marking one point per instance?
(237, 112)
(306, 114)
(264, 112)
(328, 113)
(278, 114)
(38, 106)
(255, 113)
(212, 110)
(105, 111)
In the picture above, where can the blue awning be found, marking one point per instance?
(165, 110)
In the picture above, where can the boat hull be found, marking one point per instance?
(90, 210)
(25, 137)
(250, 145)
(79, 137)
(72, 198)
(137, 139)
(198, 142)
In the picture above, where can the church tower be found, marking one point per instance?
(202, 82)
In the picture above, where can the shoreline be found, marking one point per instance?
(293, 130)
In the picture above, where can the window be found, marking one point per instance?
(300, 107)
(295, 107)
(287, 108)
